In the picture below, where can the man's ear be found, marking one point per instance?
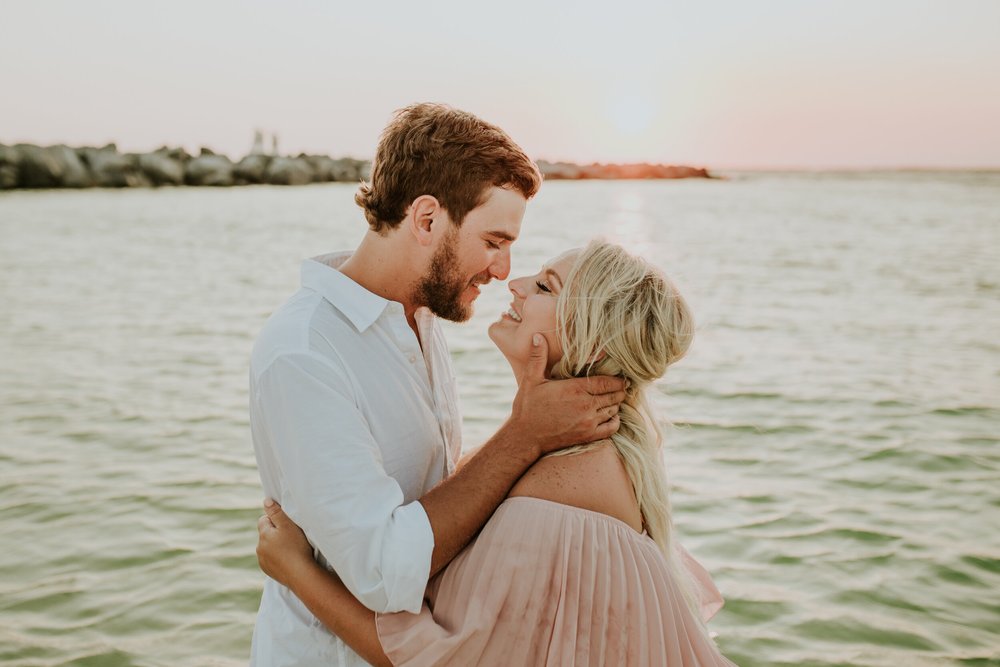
(421, 216)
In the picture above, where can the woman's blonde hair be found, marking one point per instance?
(618, 315)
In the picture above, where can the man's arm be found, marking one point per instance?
(336, 488)
(333, 482)
(546, 416)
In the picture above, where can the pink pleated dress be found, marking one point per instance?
(555, 585)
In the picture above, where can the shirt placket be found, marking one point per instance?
(442, 384)
(409, 347)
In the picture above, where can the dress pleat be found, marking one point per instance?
(552, 585)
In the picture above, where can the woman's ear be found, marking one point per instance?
(420, 218)
(600, 354)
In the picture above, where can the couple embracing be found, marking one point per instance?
(549, 544)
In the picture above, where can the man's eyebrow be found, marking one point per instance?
(503, 235)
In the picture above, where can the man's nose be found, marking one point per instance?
(500, 268)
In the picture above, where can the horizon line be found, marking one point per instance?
(704, 165)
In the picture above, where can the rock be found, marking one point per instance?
(566, 170)
(288, 171)
(50, 167)
(111, 169)
(176, 154)
(560, 170)
(322, 167)
(136, 177)
(9, 161)
(8, 176)
(215, 170)
(74, 172)
(326, 169)
(349, 169)
(252, 168)
(161, 169)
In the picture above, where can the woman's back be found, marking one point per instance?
(561, 575)
(594, 480)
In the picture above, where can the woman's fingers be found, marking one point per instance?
(273, 510)
(281, 528)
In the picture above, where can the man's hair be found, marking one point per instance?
(433, 149)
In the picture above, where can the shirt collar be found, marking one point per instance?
(359, 305)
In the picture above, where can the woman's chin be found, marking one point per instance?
(498, 340)
(491, 331)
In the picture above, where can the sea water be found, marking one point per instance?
(834, 449)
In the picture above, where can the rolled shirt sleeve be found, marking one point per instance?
(335, 487)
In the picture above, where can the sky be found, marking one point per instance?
(718, 83)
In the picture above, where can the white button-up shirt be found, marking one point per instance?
(352, 422)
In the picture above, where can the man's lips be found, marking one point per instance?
(475, 283)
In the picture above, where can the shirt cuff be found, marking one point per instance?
(406, 579)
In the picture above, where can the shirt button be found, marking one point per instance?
(413, 358)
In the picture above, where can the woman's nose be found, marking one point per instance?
(517, 287)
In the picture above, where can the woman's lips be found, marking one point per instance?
(511, 314)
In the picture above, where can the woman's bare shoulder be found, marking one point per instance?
(593, 480)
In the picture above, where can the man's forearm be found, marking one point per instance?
(460, 505)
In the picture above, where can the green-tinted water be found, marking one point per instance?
(835, 456)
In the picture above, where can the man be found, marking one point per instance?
(352, 400)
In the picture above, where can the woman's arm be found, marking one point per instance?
(284, 555)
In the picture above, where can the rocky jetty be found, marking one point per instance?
(555, 171)
(29, 166)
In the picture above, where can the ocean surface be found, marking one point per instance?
(835, 453)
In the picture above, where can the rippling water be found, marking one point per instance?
(835, 456)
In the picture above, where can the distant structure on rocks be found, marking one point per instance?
(29, 166)
(258, 143)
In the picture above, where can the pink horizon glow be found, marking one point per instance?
(726, 86)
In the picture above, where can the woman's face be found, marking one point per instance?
(533, 310)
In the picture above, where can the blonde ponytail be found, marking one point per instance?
(618, 315)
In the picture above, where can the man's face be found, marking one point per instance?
(472, 255)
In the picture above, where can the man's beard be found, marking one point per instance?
(441, 288)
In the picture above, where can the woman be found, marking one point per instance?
(579, 565)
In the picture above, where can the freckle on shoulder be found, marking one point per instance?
(594, 480)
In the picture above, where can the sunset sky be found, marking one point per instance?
(720, 83)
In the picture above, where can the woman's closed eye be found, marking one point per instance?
(543, 287)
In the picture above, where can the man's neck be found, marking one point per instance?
(380, 267)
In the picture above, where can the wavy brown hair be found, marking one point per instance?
(433, 149)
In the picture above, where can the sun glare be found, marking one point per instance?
(630, 113)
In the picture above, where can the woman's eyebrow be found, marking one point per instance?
(551, 273)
